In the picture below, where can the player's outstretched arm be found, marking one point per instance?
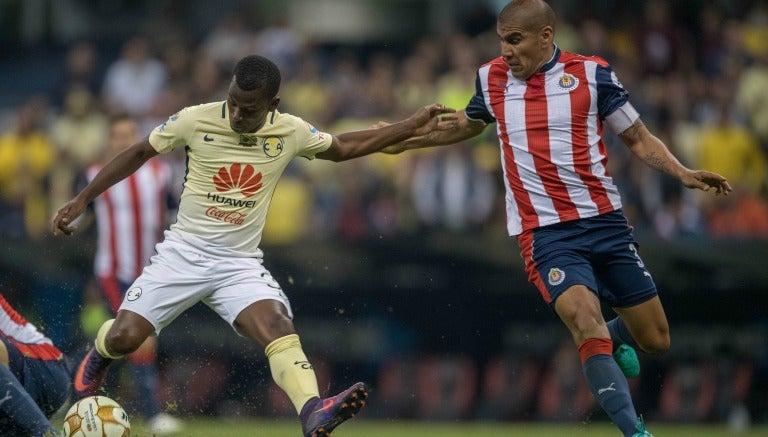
(117, 169)
(360, 143)
(459, 130)
(655, 154)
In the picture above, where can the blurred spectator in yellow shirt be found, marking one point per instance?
(79, 135)
(731, 150)
(752, 97)
(26, 159)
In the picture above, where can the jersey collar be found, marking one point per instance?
(551, 63)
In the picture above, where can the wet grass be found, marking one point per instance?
(212, 427)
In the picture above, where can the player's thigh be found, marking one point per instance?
(177, 278)
(242, 282)
(555, 265)
(648, 325)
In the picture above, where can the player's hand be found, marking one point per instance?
(62, 222)
(433, 117)
(705, 180)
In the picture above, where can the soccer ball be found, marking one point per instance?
(96, 416)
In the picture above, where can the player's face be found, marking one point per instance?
(525, 51)
(122, 134)
(248, 110)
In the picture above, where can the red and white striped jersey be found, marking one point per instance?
(550, 133)
(130, 218)
(24, 335)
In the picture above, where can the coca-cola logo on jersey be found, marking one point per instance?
(232, 217)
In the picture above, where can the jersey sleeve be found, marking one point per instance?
(311, 141)
(174, 132)
(476, 108)
(611, 94)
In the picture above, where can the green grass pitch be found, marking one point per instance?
(210, 427)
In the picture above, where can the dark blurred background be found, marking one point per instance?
(398, 267)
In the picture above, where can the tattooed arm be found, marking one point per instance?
(655, 154)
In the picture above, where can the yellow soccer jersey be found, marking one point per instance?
(231, 177)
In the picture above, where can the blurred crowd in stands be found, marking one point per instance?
(698, 76)
(701, 85)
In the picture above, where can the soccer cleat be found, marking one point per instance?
(626, 357)
(321, 416)
(640, 427)
(90, 374)
(163, 424)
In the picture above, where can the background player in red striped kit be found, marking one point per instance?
(550, 108)
(130, 218)
(34, 380)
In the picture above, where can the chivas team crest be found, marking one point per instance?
(556, 276)
(568, 82)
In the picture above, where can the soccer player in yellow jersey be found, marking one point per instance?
(236, 151)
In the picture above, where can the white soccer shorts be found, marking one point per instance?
(180, 275)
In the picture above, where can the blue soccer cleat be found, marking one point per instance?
(626, 357)
(320, 416)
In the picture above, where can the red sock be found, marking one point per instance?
(595, 346)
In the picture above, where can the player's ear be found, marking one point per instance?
(547, 35)
(273, 104)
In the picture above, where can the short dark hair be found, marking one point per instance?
(257, 72)
(119, 117)
(535, 13)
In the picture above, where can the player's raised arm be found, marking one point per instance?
(459, 129)
(359, 143)
(655, 153)
(118, 168)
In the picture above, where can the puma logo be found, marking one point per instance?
(605, 389)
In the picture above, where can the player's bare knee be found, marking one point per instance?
(280, 326)
(656, 344)
(583, 323)
(123, 340)
(265, 328)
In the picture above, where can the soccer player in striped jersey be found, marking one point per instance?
(34, 380)
(130, 218)
(550, 108)
(236, 151)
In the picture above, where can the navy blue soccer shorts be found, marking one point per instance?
(46, 381)
(597, 252)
